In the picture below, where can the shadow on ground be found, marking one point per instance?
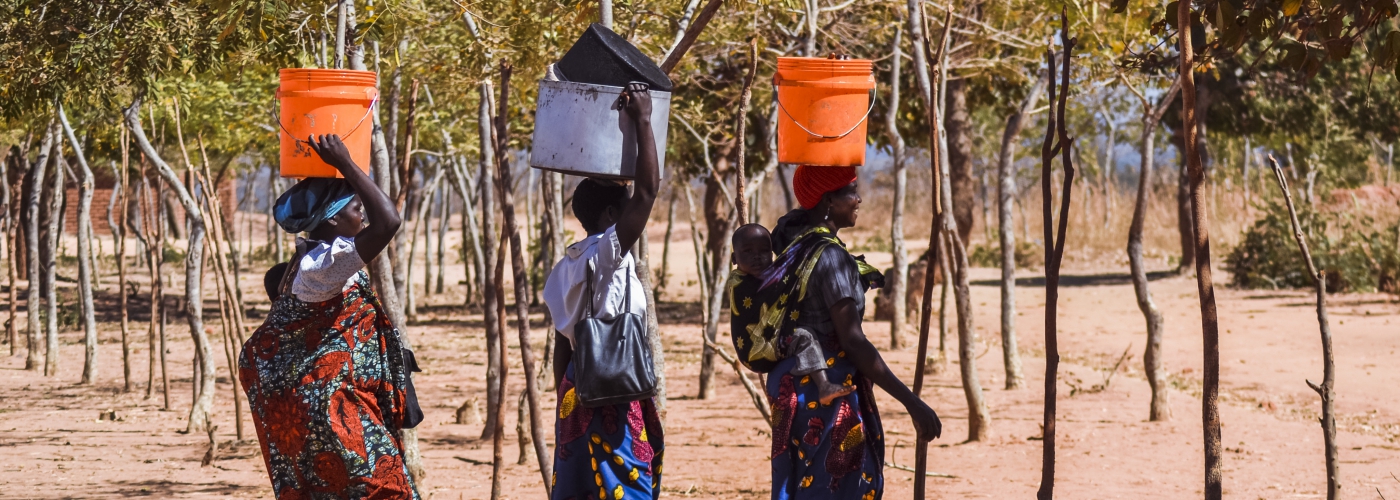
(1075, 280)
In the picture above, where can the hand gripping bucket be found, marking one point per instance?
(324, 101)
(823, 107)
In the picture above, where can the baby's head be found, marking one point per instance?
(753, 249)
(272, 281)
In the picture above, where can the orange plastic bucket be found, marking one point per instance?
(324, 101)
(824, 104)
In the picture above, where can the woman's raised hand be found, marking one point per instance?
(926, 422)
(636, 100)
(332, 151)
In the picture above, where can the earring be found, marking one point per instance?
(828, 214)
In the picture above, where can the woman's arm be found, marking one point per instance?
(384, 220)
(563, 353)
(867, 359)
(637, 211)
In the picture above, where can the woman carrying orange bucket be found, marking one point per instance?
(826, 449)
(326, 374)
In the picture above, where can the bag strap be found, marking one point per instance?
(588, 286)
(627, 294)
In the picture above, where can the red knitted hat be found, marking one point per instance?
(809, 183)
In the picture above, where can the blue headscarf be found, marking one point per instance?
(311, 201)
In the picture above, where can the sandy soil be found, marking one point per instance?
(56, 446)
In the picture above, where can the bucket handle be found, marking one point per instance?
(873, 94)
(299, 140)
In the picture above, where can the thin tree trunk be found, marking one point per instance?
(1324, 391)
(471, 235)
(1006, 233)
(1244, 174)
(522, 294)
(12, 253)
(664, 277)
(85, 268)
(658, 353)
(423, 221)
(945, 269)
(673, 57)
(444, 224)
(231, 302)
(37, 170)
(403, 189)
(143, 207)
(701, 270)
(201, 411)
(498, 430)
(741, 120)
(52, 240)
(490, 294)
(1159, 408)
(979, 417)
(1210, 326)
(194, 259)
(899, 282)
(920, 46)
(1057, 140)
(121, 193)
(158, 291)
(1183, 218)
(557, 247)
(7, 246)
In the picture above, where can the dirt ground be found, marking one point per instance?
(54, 445)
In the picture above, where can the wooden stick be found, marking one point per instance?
(760, 400)
(691, 33)
(519, 278)
(1057, 141)
(1324, 391)
(405, 169)
(934, 111)
(119, 236)
(894, 465)
(741, 204)
(498, 428)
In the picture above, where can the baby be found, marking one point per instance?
(753, 254)
(272, 281)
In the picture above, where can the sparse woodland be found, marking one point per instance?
(1018, 153)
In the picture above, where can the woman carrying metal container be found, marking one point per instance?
(610, 450)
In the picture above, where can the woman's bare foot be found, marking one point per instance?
(827, 391)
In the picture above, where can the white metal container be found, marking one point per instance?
(580, 130)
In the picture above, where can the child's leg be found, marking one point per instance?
(808, 354)
(810, 362)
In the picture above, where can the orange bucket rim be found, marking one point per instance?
(860, 66)
(324, 71)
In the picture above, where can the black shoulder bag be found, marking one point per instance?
(612, 359)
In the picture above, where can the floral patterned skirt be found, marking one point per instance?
(325, 383)
(611, 452)
(820, 451)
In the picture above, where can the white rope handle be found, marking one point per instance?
(372, 103)
(873, 95)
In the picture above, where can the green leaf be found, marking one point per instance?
(1290, 7)
(1389, 50)
(1171, 15)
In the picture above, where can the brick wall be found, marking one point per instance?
(101, 196)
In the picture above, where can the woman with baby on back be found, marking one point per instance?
(799, 319)
(327, 374)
